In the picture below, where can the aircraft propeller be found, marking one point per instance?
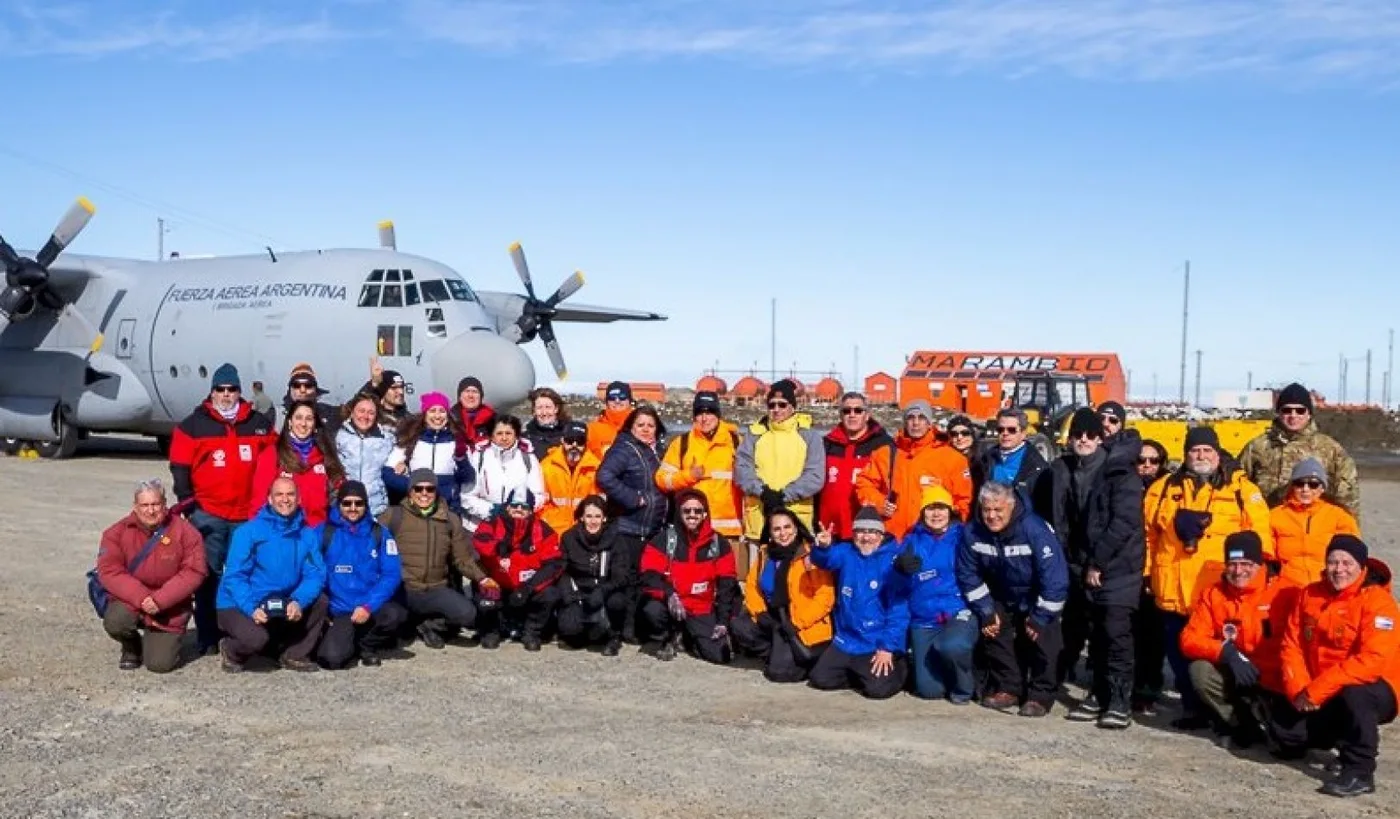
(27, 280)
(536, 315)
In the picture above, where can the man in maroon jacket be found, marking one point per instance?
(156, 597)
(213, 453)
(848, 449)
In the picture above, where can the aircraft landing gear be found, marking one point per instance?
(11, 446)
(65, 446)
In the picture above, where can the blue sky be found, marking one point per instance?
(1021, 174)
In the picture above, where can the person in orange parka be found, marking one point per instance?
(703, 459)
(1305, 523)
(1341, 666)
(570, 474)
(616, 410)
(918, 460)
(1234, 635)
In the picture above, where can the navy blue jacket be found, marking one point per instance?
(434, 451)
(1020, 569)
(934, 594)
(627, 477)
(272, 556)
(872, 597)
(362, 563)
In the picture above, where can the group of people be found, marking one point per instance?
(926, 560)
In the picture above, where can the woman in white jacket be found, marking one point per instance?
(426, 441)
(501, 464)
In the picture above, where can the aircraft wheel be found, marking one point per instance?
(11, 446)
(64, 447)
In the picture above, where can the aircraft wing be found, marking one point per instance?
(602, 315)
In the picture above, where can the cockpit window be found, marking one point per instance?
(434, 290)
(369, 295)
(408, 275)
(375, 276)
(391, 275)
(393, 295)
(410, 294)
(460, 291)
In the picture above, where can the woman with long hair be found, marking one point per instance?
(502, 463)
(428, 441)
(363, 446)
(594, 583)
(304, 453)
(627, 477)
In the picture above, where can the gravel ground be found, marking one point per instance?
(466, 732)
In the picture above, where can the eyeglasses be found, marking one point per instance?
(352, 504)
(1292, 410)
(425, 489)
(960, 433)
(1149, 461)
(778, 404)
(226, 389)
(849, 410)
(574, 441)
(1008, 430)
(1084, 435)
(517, 506)
(1110, 420)
(1309, 483)
(303, 385)
(692, 511)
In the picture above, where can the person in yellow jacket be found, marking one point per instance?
(570, 473)
(781, 462)
(1305, 522)
(1188, 514)
(703, 459)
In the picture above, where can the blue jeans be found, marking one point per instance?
(1172, 626)
(942, 659)
(216, 533)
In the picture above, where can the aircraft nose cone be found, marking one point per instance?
(506, 372)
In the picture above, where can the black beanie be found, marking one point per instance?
(387, 381)
(1244, 545)
(1352, 545)
(705, 401)
(1201, 436)
(470, 381)
(1085, 420)
(1294, 394)
(1114, 409)
(961, 421)
(352, 489)
(784, 389)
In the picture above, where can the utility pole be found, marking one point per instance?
(1249, 381)
(773, 373)
(1198, 378)
(1185, 312)
(1368, 378)
(1154, 386)
(160, 238)
(1389, 368)
(1341, 377)
(1344, 379)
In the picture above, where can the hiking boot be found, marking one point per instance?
(1087, 710)
(430, 636)
(613, 647)
(531, 642)
(669, 648)
(1145, 708)
(1001, 701)
(297, 664)
(227, 664)
(130, 660)
(1033, 709)
(1115, 720)
(1347, 785)
(491, 639)
(369, 657)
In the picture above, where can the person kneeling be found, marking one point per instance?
(362, 573)
(521, 554)
(150, 563)
(1234, 636)
(688, 578)
(872, 619)
(788, 602)
(1341, 666)
(270, 593)
(942, 631)
(595, 583)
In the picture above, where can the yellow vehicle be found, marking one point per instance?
(1233, 433)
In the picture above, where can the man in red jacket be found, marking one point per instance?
(213, 454)
(155, 596)
(848, 449)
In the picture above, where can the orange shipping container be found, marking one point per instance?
(973, 382)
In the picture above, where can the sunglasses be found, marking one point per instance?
(425, 489)
(960, 433)
(352, 504)
(1309, 483)
(1293, 411)
(692, 510)
(1109, 420)
(852, 410)
(227, 389)
(574, 441)
(517, 506)
(1008, 430)
(1084, 435)
(778, 404)
(303, 385)
(1149, 461)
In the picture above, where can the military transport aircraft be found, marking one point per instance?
(91, 344)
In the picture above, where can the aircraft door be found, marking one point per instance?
(126, 338)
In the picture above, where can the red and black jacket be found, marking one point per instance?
(702, 573)
(519, 553)
(845, 458)
(472, 427)
(213, 460)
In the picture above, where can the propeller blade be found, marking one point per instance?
(73, 223)
(551, 346)
(570, 286)
(75, 314)
(8, 257)
(387, 239)
(517, 257)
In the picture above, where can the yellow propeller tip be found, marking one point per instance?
(581, 278)
(387, 223)
(86, 204)
(514, 246)
(97, 343)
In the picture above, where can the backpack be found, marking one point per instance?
(98, 595)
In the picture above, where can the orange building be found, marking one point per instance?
(973, 382)
(749, 388)
(881, 388)
(643, 392)
(712, 383)
(827, 391)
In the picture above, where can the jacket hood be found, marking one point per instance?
(1377, 574)
(269, 517)
(799, 420)
(614, 417)
(839, 435)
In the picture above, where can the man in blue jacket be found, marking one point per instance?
(872, 611)
(270, 593)
(362, 574)
(1012, 571)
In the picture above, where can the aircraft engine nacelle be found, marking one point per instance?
(113, 397)
(28, 418)
(96, 394)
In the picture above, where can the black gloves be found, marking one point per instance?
(518, 598)
(596, 598)
(772, 499)
(908, 563)
(1245, 673)
(1190, 526)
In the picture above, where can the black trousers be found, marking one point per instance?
(836, 670)
(580, 626)
(764, 638)
(1350, 722)
(295, 640)
(1149, 650)
(444, 604)
(533, 616)
(697, 631)
(1018, 665)
(378, 633)
(627, 556)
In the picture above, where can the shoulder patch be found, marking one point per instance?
(1385, 623)
(391, 546)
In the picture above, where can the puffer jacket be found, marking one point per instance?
(589, 562)
(435, 449)
(1107, 533)
(169, 575)
(498, 473)
(714, 455)
(1254, 619)
(362, 564)
(1268, 461)
(872, 598)
(811, 595)
(1020, 569)
(918, 465)
(429, 544)
(845, 458)
(364, 456)
(789, 457)
(269, 556)
(565, 488)
(628, 477)
(934, 594)
(1339, 638)
(1301, 535)
(543, 438)
(519, 553)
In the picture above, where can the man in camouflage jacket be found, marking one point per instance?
(1269, 459)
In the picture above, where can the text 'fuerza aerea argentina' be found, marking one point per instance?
(235, 292)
